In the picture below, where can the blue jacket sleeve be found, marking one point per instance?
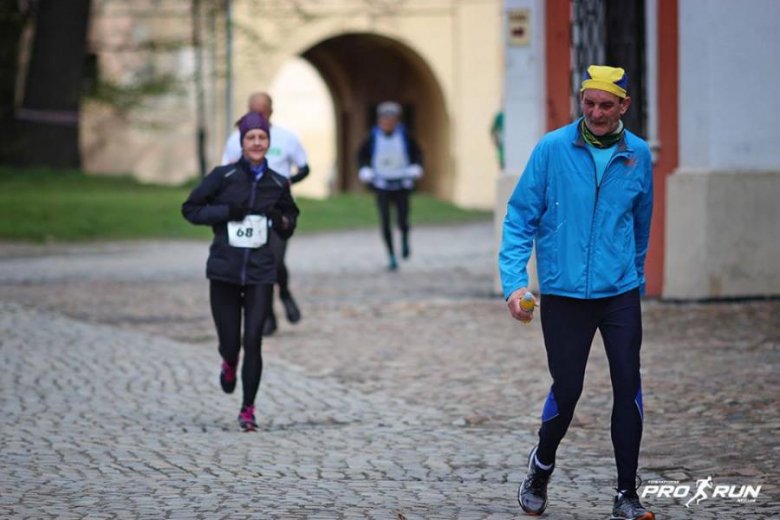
(643, 215)
(524, 209)
(198, 209)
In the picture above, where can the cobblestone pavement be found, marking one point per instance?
(400, 395)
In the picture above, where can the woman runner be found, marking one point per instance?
(240, 202)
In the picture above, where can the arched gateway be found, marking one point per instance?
(363, 69)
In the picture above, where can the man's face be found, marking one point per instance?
(262, 104)
(387, 123)
(602, 110)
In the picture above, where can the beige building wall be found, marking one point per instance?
(302, 104)
(459, 41)
(722, 233)
(451, 50)
(152, 137)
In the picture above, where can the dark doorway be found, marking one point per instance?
(611, 32)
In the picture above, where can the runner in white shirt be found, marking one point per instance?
(284, 154)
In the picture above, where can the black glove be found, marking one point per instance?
(276, 218)
(237, 212)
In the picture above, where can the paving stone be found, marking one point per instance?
(407, 393)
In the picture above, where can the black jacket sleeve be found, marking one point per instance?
(198, 209)
(286, 205)
(364, 153)
(302, 173)
(415, 154)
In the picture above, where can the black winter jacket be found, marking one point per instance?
(209, 204)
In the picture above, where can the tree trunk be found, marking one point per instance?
(197, 45)
(48, 121)
(12, 22)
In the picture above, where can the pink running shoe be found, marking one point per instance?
(246, 419)
(227, 378)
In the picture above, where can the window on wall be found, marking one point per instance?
(611, 32)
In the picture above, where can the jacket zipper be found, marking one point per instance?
(593, 218)
(246, 251)
(592, 223)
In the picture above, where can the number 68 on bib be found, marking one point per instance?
(251, 233)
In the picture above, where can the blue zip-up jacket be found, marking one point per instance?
(591, 241)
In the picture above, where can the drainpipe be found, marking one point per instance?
(229, 67)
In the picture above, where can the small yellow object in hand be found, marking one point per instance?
(527, 304)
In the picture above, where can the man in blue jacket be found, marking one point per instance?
(585, 199)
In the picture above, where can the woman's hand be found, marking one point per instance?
(278, 221)
(237, 212)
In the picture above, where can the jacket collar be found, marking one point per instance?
(246, 167)
(622, 146)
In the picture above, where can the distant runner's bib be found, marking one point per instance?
(252, 232)
(390, 158)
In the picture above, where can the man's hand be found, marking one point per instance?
(413, 171)
(366, 174)
(513, 303)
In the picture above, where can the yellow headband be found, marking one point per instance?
(608, 79)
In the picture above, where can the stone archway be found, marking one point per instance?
(363, 69)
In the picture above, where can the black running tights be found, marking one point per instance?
(227, 302)
(569, 325)
(279, 248)
(401, 200)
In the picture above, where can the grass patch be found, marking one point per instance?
(41, 205)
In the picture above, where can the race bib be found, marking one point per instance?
(391, 161)
(252, 232)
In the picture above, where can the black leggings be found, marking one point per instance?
(279, 247)
(401, 200)
(569, 325)
(227, 300)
